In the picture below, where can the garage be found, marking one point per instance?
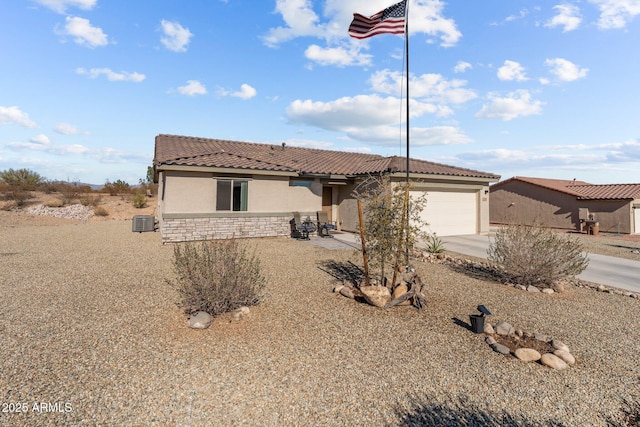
(451, 213)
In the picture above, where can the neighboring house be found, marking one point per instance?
(566, 204)
(215, 189)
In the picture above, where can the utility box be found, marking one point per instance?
(143, 223)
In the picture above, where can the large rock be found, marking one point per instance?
(553, 361)
(504, 328)
(199, 320)
(527, 354)
(533, 289)
(488, 329)
(559, 345)
(566, 356)
(400, 290)
(378, 296)
(347, 292)
(502, 349)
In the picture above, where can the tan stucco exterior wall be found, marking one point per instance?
(518, 202)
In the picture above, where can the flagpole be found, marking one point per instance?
(406, 47)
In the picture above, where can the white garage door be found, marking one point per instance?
(451, 213)
(636, 220)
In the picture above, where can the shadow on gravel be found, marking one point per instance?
(459, 412)
(344, 271)
(462, 324)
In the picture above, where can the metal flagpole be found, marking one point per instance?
(406, 47)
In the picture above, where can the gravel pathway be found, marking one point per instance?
(91, 335)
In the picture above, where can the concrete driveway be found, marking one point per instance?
(606, 270)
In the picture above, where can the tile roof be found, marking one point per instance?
(192, 151)
(580, 189)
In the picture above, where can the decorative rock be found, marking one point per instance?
(533, 289)
(519, 333)
(337, 288)
(490, 340)
(601, 288)
(503, 328)
(502, 349)
(527, 354)
(565, 356)
(378, 296)
(346, 291)
(540, 337)
(400, 290)
(559, 345)
(548, 291)
(236, 316)
(244, 310)
(521, 287)
(199, 320)
(488, 329)
(553, 361)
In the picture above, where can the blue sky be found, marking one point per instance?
(513, 87)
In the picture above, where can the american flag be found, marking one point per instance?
(389, 21)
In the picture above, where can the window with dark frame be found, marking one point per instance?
(231, 195)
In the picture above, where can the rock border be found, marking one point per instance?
(560, 359)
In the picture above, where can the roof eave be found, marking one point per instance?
(215, 170)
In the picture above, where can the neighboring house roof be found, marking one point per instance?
(580, 189)
(192, 151)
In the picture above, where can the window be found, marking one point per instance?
(300, 183)
(231, 195)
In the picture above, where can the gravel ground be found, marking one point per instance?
(89, 328)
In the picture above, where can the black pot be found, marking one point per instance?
(477, 323)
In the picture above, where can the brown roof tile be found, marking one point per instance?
(193, 151)
(580, 189)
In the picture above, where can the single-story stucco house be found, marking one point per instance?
(216, 189)
(568, 204)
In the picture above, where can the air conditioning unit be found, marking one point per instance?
(143, 223)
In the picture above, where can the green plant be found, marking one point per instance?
(537, 256)
(23, 179)
(117, 187)
(139, 200)
(100, 211)
(435, 245)
(392, 223)
(216, 276)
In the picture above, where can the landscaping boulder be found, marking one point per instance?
(527, 354)
(504, 328)
(553, 361)
(199, 320)
(378, 296)
(565, 356)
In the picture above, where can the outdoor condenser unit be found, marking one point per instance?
(143, 223)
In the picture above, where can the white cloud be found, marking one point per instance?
(431, 87)
(83, 32)
(13, 115)
(41, 139)
(339, 56)
(68, 129)
(301, 20)
(615, 14)
(245, 92)
(512, 71)
(568, 18)
(565, 71)
(111, 75)
(461, 67)
(192, 88)
(516, 104)
(61, 6)
(176, 37)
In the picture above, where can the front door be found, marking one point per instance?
(327, 201)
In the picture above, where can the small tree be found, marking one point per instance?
(393, 223)
(117, 187)
(537, 256)
(21, 179)
(217, 276)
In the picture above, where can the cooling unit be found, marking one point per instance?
(143, 223)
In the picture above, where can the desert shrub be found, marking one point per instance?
(100, 211)
(117, 187)
(90, 199)
(23, 179)
(534, 255)
(217, 276)
(18, 197)
(435, 245)
(629, 417)
(53, 203)
(139, 200)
